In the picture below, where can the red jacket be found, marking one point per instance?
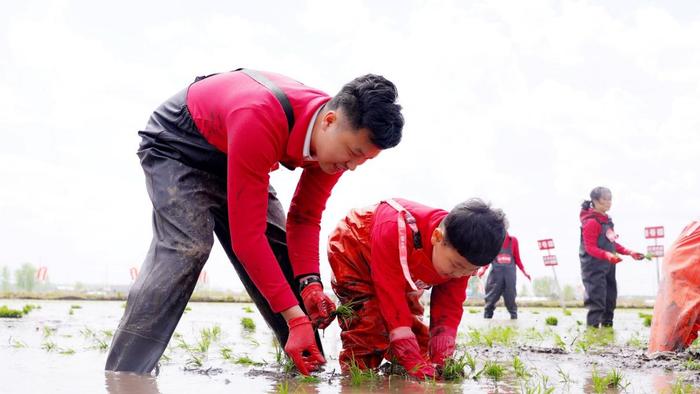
(244, 119)
(447, 295)
(591, 230)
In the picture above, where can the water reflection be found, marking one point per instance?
(129, 383)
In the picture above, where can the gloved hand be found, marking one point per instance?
(528, 277)
(441, 344)
(613, 258)
(636, 255)
(301, 345)
(318, 305)
(406, 350)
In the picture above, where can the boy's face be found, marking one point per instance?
(339, 147)
(446, 260)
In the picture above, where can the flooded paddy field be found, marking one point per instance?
(60, 347)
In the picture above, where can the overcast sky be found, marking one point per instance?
(527, 104)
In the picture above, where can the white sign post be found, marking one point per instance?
(655, 232)
(551, 261)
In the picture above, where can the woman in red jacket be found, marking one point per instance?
(599, 253)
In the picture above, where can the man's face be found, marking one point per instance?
(339, 147)
(446, 260)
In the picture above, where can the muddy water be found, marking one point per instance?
(55, 350)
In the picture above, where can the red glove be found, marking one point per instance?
(301, 345)
(318, 305)
(613, 258)
(406, 350)
(441, 344)
(636, 255)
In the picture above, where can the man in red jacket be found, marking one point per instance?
(502, 279)
(384, 256)
(207, 153)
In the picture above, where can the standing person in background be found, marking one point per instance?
(501, 280)
(599, 254)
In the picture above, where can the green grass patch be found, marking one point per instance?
(6, 312)
(551, 321)
(248, 324)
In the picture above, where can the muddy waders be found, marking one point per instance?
(186, 181)
(599, 282)
(501, 282)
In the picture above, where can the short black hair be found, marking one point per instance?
(369, 102)
(476, 230)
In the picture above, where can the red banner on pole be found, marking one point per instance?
(42, 273)
(550, 260)
(134, 272)
(545, 244)
(654, 232)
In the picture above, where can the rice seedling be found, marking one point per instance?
(6, 312)
(76, 306)
(245, 360)
(248, 324)
(637, 342)
(648, 256)
(279, 354)
(283, 387)
(599, 382)
(17, 344)
(454, 368)
(346, 311)
(692, 365)
(535, 312)
(520, 369)
(30, 307)
(67, 351)
(194, 361)
(247, 309)
(108, 333)
(225, 353)
(309, 379)
(557, 339)
(212, 334)
(359, 376)
(203, 344)
(70, 312)
(473, 311)
(567, 312)
(48, 331)
(680, 387)
(49, 346)
(647, 321)
(615, 379)
(494, 370)
(565, 378)
(532, 335)
(551, 321)
(188, 308)
(504, 336)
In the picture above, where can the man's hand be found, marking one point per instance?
(612, 257)
(301, 345)
(407, 352)
(441, 344)
(636, 255)
(318, 305)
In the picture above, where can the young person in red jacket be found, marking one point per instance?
(502, 279)
(207, 153)
(599, 253)
(384, 256)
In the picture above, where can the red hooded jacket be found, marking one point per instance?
(591, 227)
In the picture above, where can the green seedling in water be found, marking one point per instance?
(494, 370)
(245, 360)
(567, 312)
(212, 334)
(520, 369)
(6, 312)
(30, 307)
(75, 306)
(49, 346)
(454, 368)
(504, 336)
(649, 256)
(565, 378)
(636, 341)
(67, 352)
(17, 344)
(309, 379)
(692, 365)
(535, 312)
(48, 331)
(359, 376)
(194, 361)
(680, 387)
(599, 382)
(248, 324)
(472, 310)
(283, 387)
(70, 312)
(615, 379)
(247, 309)
(532, 335)
(551, 321)
(225, 353)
